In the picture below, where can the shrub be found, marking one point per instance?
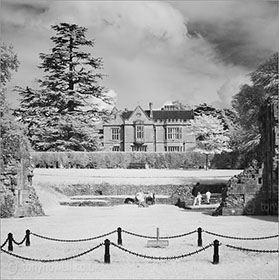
(7, 206)
(117, 160)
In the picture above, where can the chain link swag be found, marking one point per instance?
(240, 238)
(73, 240)
(53, 260)
(4, 243)
(163, 237)
(161, 258)
(251, 250)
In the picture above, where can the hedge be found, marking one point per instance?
(97, 160)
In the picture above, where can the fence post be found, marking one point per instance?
(200, 237)
(119, 239)
(10, 242)
(27, 241)
(216, 252)
(107, 255)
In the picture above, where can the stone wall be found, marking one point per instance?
(176, 193)
(17, 196)
(255, 190)
(245, 195)
(110, 189)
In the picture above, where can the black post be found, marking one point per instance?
(216, 252)
(10, 242)
(119, 239)
(200, 237)
(107, 255)
(27, 241)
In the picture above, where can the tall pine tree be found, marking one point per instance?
(61, 115)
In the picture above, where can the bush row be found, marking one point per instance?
(98, 160)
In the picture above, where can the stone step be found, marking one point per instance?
(107, 200)
(202, 206)
(95, 202)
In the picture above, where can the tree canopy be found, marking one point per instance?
(60, 116)
(250, 103)
(211, 137)
(11, 132)
(9, 63)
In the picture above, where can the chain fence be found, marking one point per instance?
(251, 250)
(4, 243)
(21, 242)
(240, 238)
(11, 240)
(73, 240)
(161, 237)
(53, 260)
(161, 258)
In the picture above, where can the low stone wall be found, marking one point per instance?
(110, 189)
(106, 200)
(174, 193)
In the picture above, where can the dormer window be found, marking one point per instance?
(169, 107)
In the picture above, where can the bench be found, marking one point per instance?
(137, 165)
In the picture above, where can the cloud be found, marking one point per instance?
(242, 32)
(102, 105)
(151, 50)
(18, 14)
(230, 88)
(157, 19)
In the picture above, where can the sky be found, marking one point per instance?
(153, 51)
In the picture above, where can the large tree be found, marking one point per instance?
(60, 116)
(211, 137)
(250, 103)
(11, 132)
(226, 115)
(9, 63)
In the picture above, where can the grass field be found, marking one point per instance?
(128, 176)
(82, 222)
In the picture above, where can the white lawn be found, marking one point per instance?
(129, 176)
(77, 222)
(81, 222)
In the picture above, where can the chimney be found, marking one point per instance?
(151, 109)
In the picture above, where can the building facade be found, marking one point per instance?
(165, 130)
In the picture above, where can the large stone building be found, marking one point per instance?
(165, 130)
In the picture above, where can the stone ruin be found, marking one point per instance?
(255, 190)
(238, 197)
(17, 195)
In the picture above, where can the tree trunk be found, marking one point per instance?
(71, 82)
(206, 161)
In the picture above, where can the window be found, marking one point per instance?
(138, 148)
(174, 133)
(115, 133)
(115, 149)
(169, 107)
(139, 132)
(174, 149)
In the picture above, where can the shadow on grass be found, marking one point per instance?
(208, 212)
(267, 218)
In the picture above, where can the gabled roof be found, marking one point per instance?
(126, 114)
